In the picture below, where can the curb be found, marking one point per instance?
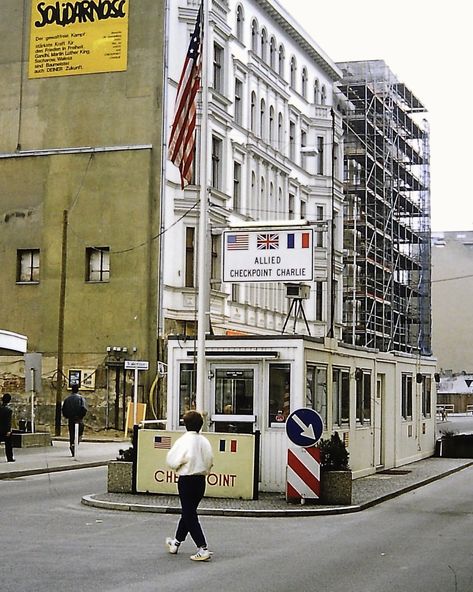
(89, 500)
(28, 472)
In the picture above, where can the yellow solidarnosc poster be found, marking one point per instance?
(78, 37)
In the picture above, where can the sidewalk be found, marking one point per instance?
(367, 491)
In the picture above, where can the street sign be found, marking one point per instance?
(136, 365)
(304, 427)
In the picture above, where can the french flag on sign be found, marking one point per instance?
(228, 446)
(299, 240)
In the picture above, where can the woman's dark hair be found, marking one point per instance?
(193, 421)
(6, 398)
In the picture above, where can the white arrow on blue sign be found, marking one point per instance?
(304, 427)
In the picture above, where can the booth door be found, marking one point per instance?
(234, 399)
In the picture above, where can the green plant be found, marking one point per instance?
(334, 455)
(126, 455)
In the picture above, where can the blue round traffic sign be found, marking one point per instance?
(304, 427)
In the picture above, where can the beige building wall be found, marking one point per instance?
(89, 145)
(452, 298)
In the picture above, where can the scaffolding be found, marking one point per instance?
(386, 213)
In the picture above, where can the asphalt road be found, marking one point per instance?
(419, 542)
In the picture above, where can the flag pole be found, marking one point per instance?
(202, 268)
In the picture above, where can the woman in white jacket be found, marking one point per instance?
(192, 458)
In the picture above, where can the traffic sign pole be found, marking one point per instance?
(136, 365)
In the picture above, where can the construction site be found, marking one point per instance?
(387, 256)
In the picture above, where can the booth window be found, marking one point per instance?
(406, 396)
(279, 393)
(187, 376)
(316, 390)
(426, 396)
(234, 392)
(341, 396)
(363, 397)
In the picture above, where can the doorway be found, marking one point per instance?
(378, 420)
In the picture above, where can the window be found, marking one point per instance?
(406, 396)
(280, 131)
(27, 266)
(303, 209)
(98, 264)
(237, 115)
(319, 301)
(234, 391)
(303, 145)
(316, 92)
(187, 381)
(426, 396)
(190, 252)
(254, 36)
(271, 124)
(319, 235)
(304, 83)
(363, 397)
(320, 155)
(281, 61)
(340, 396)
(291, 206)
(264, 43)
(279, 393)
(262, 119)
(215, 267)
(272, 52)
(316, 390)
(235, 293)
(253, 112)
(292, 140)
(240, 18)
(293, 72)
(237, 186)
(216, 162)
(323, 96)
(218, 68)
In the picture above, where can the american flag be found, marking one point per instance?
(162, 442)
(237, 242)
(267, 241)
(182, 139)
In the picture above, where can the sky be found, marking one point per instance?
(428, 45)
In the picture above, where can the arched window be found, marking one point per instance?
(253, 190)
(262, 203)
(254, 35)
(262, 119)
(316, 92)
(323, 96)
(264, 44)
(293, 72)
(272, 53)
(304, 83)
(253, 112)
(272, 207)
(240, 19)
(281, 57)
(280, 132)
(271, 124)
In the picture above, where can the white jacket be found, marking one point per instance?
(191, 454)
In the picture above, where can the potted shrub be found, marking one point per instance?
(335, 473)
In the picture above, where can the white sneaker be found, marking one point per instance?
(201, 555)
(172, 545)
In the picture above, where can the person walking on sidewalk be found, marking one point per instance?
(192, 458)
(74, 409)
(6, 413)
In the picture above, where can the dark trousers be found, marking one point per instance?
(191, 490)
(72, 431)
(8, 446)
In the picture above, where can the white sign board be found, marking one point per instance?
(282, 255)
(136, 365)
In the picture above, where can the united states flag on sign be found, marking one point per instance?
(267, 241)
(237, 242)
(182, 139)
(162, 442)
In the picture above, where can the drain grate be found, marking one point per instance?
(394, 472)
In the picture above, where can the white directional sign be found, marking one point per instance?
(304, 427)
(136, 365)
(281, 255)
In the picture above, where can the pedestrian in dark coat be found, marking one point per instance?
(6, 413)
(74, 409)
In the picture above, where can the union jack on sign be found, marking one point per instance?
(267, 241)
